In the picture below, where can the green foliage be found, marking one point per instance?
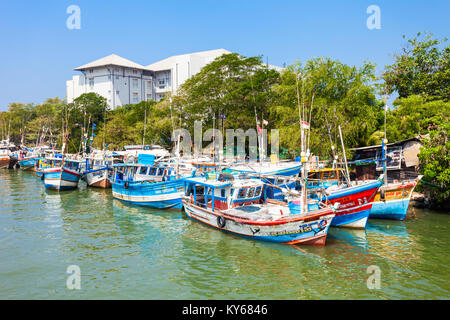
(343, 95)
(423, 68)
(414, 115)
(435, 163)
(231, 85)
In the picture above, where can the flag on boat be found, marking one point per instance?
(305, 125)
(265, 122)
(259, 129)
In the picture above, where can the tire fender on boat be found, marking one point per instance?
(382, 194)
(126, 185)
(42, 177)
(221, 222)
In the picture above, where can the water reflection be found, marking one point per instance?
(126, 251)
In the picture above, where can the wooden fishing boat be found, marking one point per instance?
(239, 207)
(392, 200)
(147, 185)
(27, 162)
(4, 158)
(63, 177)
(98, 171)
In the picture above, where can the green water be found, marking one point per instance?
(128, 252)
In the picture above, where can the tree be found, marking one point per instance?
(413, 115)
(343, 95)
(423, 68)
(231, 85)
(435, 164)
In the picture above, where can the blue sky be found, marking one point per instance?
(38, 52)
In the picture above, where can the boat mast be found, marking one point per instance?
(304, 174)
(347, 176)
(384, 144)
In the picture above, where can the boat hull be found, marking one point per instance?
(4, 162)
(159, 195)
(395, 204)
(61, 179)
(291, 232)
(27, 163)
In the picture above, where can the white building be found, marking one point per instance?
(122, 81)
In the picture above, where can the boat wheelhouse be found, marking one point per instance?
(269, 172)
(238, 206)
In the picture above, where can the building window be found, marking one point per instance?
(117, 92)
(161, 81)
(91, 70)
(117, 77)
(91, 82)
(135, 83)
(135, 97)
(134, 71)
(149, 86)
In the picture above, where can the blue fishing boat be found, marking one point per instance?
(62, 177)
(392, 201)
(27, 163)
(147, 185)
(238, 206)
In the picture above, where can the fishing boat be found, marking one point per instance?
(147, 185)
(4, 158)
(355, 203)
(98, 171)
(62, 177)
(7, 154)
(51, 161)
(392, 200)
(27, 161)
(238, 206)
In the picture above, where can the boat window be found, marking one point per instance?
(232, 191)
(222, 193)
(242, 193)
(258, 191)
(209, 191)
(152, 171)
(143, 170)
(160, 171)
(251, 192)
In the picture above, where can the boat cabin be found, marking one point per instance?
(324, 178)
(223, 193)
(142, 172)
